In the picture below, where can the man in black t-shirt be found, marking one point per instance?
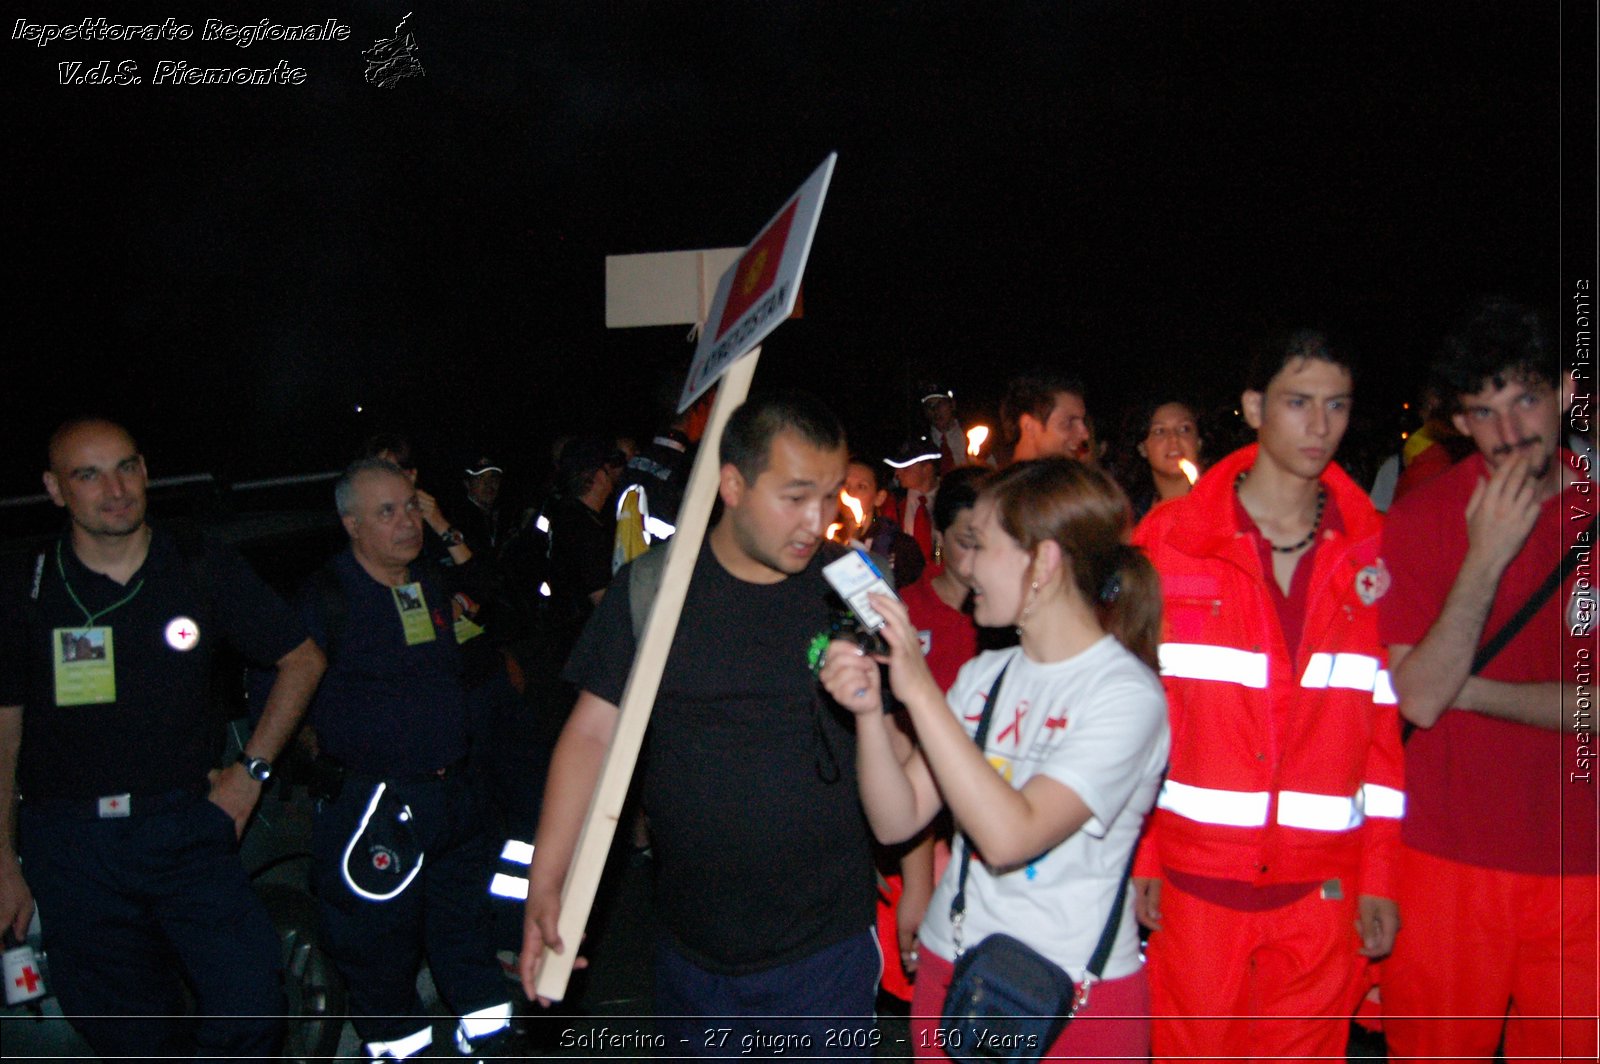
(128, 832)
(764, 878)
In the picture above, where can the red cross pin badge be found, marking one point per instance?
(182, 633)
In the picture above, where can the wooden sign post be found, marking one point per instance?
(755, 295)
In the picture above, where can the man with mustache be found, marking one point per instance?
(401, 845)
(1497, 867)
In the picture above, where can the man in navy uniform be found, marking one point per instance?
(131, 845)
(402, 854)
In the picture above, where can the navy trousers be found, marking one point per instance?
(132, 906)
(819, 1006)
(444, 914)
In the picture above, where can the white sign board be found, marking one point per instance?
(759, 291)
(663, 287)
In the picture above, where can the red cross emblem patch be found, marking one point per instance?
(383, 859)
(1372, 582)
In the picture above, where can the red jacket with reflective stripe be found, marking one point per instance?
(1275, 762)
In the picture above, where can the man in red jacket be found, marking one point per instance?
(1265, 873)
(1497, 862)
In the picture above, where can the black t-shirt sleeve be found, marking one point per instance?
(600, 661)
(258, 623)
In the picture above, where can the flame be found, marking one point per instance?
(1190, 470)
(834, 530)
(976, 436)
(855, 508)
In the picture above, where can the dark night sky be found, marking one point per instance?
(1133, 191)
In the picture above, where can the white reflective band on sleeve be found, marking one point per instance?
(658, 528)
(518, 851)
(1356, 672)
(401, 1048)
(1383, 689)
(1383, 801)
(542, 523)
(1198, 661)
(1239, 809)
(1318, 812)
(504, 886)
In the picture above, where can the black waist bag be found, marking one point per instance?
(1005, 1002)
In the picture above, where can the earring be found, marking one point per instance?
(1027, 608)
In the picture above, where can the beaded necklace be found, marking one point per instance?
(1316, 520)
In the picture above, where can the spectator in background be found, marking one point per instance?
(916, 471)
(1043, 414)
(582, 533)
(486, 524)
(880, 533)
(939, 407)
(651, 484)
(940, 609)
(1163, 433)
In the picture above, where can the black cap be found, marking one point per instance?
(585, 454)
(913, 450)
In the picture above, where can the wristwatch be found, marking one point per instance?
(260, 768)
(452, 537)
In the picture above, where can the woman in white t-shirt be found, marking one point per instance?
(1054, 803)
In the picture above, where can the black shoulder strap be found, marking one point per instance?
(1540, 596)
(958, 904)
(327, 599)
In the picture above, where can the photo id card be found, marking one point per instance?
(414, 615)
(85, 667)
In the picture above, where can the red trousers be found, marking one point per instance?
(1278, 984)
(1481, 952)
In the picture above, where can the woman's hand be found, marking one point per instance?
(909, 677)
(851, 677)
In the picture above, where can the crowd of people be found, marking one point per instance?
(1206, 730)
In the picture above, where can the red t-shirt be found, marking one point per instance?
(1480, 790)
(949, 638)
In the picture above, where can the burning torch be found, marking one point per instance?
(977, 436)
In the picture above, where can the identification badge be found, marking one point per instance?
(467, 629)
(85, 666)
(414, 616)
(465, 610)
(1333, 890)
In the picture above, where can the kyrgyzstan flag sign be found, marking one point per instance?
(760, 289)
(757, 269)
